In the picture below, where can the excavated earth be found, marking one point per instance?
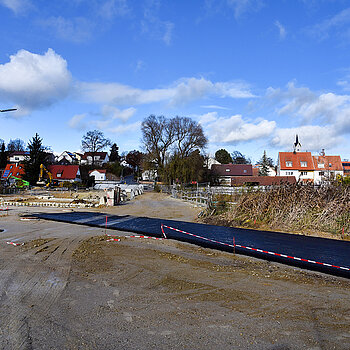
(68, 287)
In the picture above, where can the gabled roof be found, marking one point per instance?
(14, 170)
(329, 163)
(232, 169)
(296, 159)
(19, 153)
(102, 171)
(68, 172)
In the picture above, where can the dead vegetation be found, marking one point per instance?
(291, 208)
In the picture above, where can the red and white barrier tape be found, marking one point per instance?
(113, 239)
(259, 250)
(15, 244)
(28, 218)
(4, 209)
(134, 236)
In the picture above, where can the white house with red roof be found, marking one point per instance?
(307, 168)
(98, 174)
(97, 158)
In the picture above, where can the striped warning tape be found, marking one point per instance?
(4, 209)
(29, 218)
(259, 250)
(113, 239)
(15, 243)
(134, 236)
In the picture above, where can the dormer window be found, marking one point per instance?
(289, 164)
(330, 165)
(227, 169)
(303, 164)
(59, 174)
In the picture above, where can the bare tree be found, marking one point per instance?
(16, 145)
(157, 137)
(188, 135)
(93, 142)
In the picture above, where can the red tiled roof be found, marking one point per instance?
(296, 160)
(232, 169)
(102, 171)
(68, 172)
(330, 163)
(13, 170)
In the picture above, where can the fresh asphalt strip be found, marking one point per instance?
(313, 253)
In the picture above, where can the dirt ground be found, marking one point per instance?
(67, 287)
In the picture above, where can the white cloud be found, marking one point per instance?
(208, 117)
(312, 137)
(122, 129)
(112, 8)
(34, 81)
(77, 29)
(282, 30)
(153, 25)
(235, 129)
(77, 122)
(111, 113)
(17, 6)
(242, 6)
(214, 107)
(181, 92)
(322, 30)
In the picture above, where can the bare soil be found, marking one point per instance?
(68, 288)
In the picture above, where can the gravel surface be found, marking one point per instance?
(68, 288)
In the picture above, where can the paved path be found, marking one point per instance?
(321, 254)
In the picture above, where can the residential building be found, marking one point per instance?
(97, 158)
(13, 169)
(346, 167)
(327, 167)
(68, 158)
(18, 156)
(98, 174)
(224, 172)
(63, 173)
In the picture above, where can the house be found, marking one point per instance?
(224, 172)
(62, 173)
(98, 174)
(68, 158)
(11, 169)
(210, 162)
(18, 156)
(346, 167)
(149, 175)
(96, 158)
(307, 168)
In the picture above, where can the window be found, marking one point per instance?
(289, 164)
(288, 173)
(16, 158)
(320, 165)
(330, 165)
(227, 169)
(303, 164)
(11, 166)
(244, 171)
(321, 173)
(19, 167)
(17, 174)
(303, 173)
(59, 174)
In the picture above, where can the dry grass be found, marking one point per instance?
(292, 208)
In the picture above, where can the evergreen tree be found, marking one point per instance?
(37, 156)
(264, 165)
(223, 157)
(3, 155)
(114, 155)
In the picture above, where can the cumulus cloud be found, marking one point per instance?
(122, 129)
(78, 122)
(313, 137)
(17, 6)
(181, 92)
(281, 29)
(33, 81)
(234, 129)
(77, 29)
(111, 113)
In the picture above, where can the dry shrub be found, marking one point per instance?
(294, 207)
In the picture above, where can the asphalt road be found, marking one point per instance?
(314, 253)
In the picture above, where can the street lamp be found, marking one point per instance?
(8, 110)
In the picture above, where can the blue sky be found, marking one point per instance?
(252, 72)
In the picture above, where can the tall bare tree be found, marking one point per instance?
(188, 135)
(93, 142)
(157, 137)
